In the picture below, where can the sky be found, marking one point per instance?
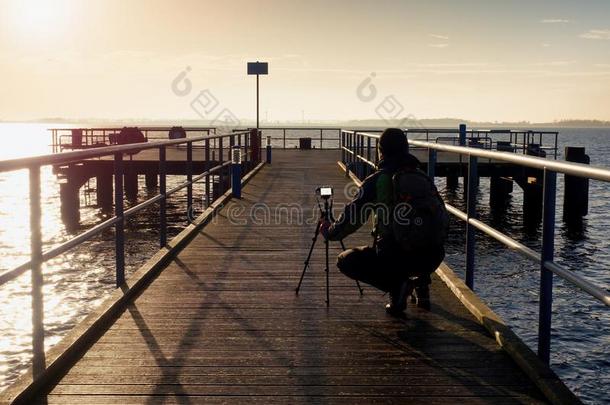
(482, 60)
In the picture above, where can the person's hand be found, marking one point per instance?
(324, 226)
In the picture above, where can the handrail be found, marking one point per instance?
(91, 137)
(74, 156)
(570, 168)
(247, 140)
(34, 164)
(353, 146)
(527, 135)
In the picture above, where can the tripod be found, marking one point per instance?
(325, 215)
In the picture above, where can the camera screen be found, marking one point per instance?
(326, 191)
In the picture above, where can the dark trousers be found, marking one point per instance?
(386, 270)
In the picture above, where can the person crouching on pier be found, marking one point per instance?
(410, 227)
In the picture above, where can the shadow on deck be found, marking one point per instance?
(222, 323)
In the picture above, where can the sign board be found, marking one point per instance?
(258, 68)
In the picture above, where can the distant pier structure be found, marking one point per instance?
(77, 176)
(97, 174)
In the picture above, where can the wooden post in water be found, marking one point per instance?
(499, 190)
(70, 204)
(104, 191)
(532, 202)
(452, 182)
(151, 180)
(576, 192)
(131, 185)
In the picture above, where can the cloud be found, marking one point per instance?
(438, 45)
(554, 21)
(596, 34)
(556, 63)
(437, 36)
(545, 45)
(454, 65)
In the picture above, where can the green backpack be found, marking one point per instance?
(419, 217)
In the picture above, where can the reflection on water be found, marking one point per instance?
(76, 282)
(580, 332)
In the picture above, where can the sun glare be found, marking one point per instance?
(40, 17)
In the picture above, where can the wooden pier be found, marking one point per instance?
(221, 323)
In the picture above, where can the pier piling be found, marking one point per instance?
(499, 191)
(576, 194)
(452, 182)
(131, 185)
(532, 203)
(151, 180)
(104, 191)
(70, 204)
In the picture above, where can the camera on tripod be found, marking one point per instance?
(325, 192)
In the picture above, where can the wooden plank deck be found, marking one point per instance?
(222, 324)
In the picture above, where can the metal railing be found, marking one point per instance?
(288, 137)
(86, 138)
(247, 143)
(519, 140)
(211, 144)
(516, 140)
(358, 147)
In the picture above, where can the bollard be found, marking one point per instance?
(236, 171)
(268, 150)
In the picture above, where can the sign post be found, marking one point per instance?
(257, 68)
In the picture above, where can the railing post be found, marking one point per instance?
(342, 145)
(38, 353)
(207, 169)
(284, 138)
(163, 202)
(222, 169)
(236, 171)
(462, 134)
(431, 163)
(119, 239)
(473, 181)
(321, 137)
(546, 276)
(352, 136)
(189, 178)
(240, 144)
(377, 152)
(360, 153)
(268, 149)
(368, 155)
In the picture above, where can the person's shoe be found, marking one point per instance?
(423, 297)
(398, 299)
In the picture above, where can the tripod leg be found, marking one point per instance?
(313, 243)
(357, 282)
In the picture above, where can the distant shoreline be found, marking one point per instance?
(372, 123)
